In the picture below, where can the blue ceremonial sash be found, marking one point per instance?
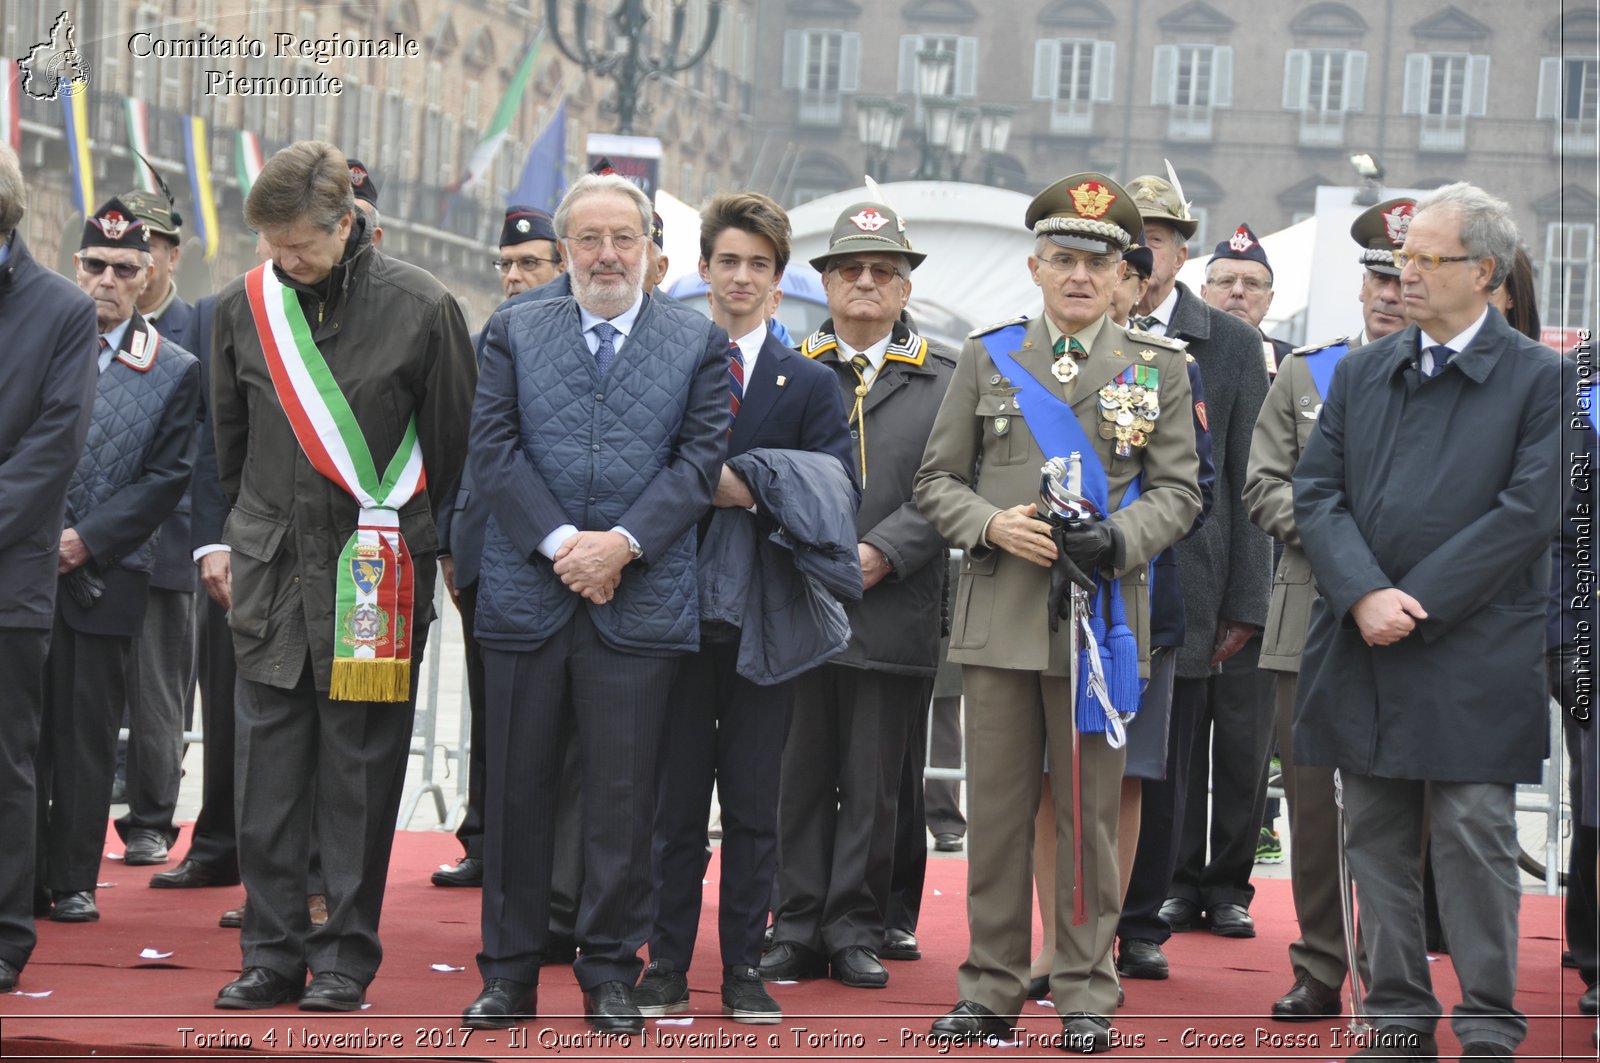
(1322, 364)
(1059, 433)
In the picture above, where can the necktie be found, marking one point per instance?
(736, 384)
(104, 343)
(1070, 345)
(606, 353)
(1441, 358)
(1147, 323)
(862, 366)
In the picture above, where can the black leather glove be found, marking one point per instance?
(1063, 574)
(1091, 544)
(85, 587)
(1561, 668)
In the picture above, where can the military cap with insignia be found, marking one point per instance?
(1381, 230)
(1088, 211)
(1158, 200)
(1243, 246)
(866, 227)
(1140, 260)
(157, 213)
(362, 183)
(115, 225)
(658, 231)
(526, 223)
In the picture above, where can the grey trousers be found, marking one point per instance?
(1314, 855)
(1475, 859)
(305, 764)
(161, 677)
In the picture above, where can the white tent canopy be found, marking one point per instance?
(1289, 252)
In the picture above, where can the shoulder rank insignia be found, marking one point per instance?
(1313, 348)
(1171, 343)
(141, 352)
(997, 326)
(819, 343)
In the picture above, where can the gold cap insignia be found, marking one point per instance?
(1092, 199)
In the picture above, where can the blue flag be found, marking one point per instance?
(544, 178)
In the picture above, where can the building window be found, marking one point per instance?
(1198, 244)
(1445, 89)
(1569, 295)
(1323, 85)
(1192, 81)
(823, 66)
(1567, 94)
(1073, 75)
(965, 49)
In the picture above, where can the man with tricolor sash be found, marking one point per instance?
(341, 387)
(1288, 417)
(1069, 385)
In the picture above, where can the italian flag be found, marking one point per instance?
(247, 158)
(373, 588)
(500, 126)
(138, 112)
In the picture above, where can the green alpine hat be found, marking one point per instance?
(867, 227)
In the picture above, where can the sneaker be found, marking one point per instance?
(1268, 849)
(662, 991)
(745, 999)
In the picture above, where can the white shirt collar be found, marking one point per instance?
(623, 322)
(1459, 342)
(750, 347)
(114, 338)
(874, 353)
(1163, 313)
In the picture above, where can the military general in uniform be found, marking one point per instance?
(1023, 392)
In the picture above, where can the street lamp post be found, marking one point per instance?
(632, 65)
(949, 131)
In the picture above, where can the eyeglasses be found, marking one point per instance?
(1070, 263)
(1253, 285)
(527, 263)
(850, 272)
(592, 242)
(124, 271)
(1424, 261)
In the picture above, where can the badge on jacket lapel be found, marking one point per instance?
(1129, 408)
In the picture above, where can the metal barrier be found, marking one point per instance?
(1546, 797)
(424, 727)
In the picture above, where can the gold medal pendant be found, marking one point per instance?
(1065, 369)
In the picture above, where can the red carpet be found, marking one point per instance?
(107, 1002)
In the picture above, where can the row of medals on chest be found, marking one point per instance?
(1128, 409)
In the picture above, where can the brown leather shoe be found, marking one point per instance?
(317, 905)
(1308, 1000)
(233, 918)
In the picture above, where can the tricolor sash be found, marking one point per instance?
(373, 598)
(1059, 433)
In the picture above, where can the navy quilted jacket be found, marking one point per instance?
(641, 447)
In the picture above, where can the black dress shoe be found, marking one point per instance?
(332, 991)
(467, 872)
(790, 961)
(1084, 1033)
(144, 847)
(74, 907)
(1231, 921)
(1308, 1000)
(1180, 914)
(899, 944)
(1039, 988)
(191, 874)
(609, 1008)
(858, 968)
(502, 1004)
(1139, 958)
(1589, 1003)
(947, 843)
(260, 987)
(8, 976)
(968, 1021)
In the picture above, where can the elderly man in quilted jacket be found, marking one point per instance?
(602, 421)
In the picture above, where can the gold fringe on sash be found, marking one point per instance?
(370, 679)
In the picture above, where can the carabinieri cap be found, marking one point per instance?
(1381, 230)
